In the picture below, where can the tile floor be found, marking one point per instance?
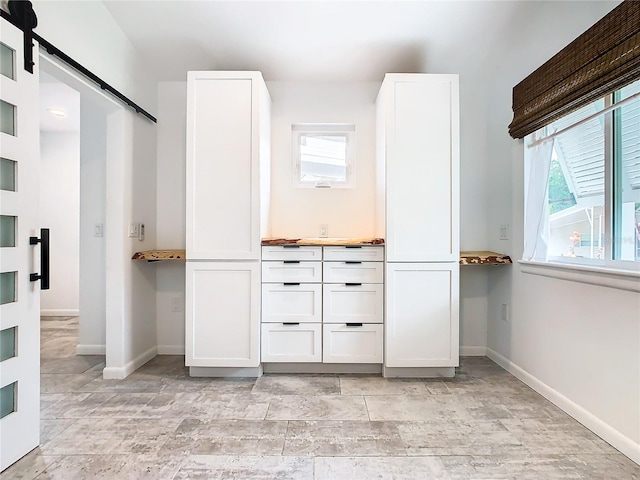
(161, 424)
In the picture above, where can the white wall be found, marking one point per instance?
(172, 111)
(87, 32)
(59, 211)
(577, 344)
(93, 158)
(298, 212)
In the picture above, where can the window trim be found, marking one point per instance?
(605, 275)
(346, 129)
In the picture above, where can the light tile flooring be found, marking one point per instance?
(161, 424)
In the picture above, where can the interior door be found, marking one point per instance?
(19, 220)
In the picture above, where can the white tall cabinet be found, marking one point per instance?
(417, 212)
(227, 175)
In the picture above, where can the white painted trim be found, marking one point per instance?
(59, 312)
(226, 372)
(473, 351)
(171, 349)
(609, 434)
(606, 277)
(91, 350)
(118, 373)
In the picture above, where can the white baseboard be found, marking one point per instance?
(118, 373)
(605, 431)
(473, 351)
(170, 349)
(59, 312)
(91, 350)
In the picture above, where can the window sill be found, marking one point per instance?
(603, 276)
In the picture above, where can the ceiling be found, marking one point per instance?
(56, 96)
(312, 40)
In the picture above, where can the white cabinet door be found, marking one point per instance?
(282, 342)
(223, 165)
(292, 271)
(292, 252)
(352, 303)
(282, 302)
(352, 272)
(422, 315)
(352, 343)
(422, 158)
(358, 253)
(223, 314)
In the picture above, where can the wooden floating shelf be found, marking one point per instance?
(484, 258)
(159, 255)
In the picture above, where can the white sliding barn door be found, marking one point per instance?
(19, 210)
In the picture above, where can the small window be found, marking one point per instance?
(323, 155)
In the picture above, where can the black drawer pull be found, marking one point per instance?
(353, 246)
(352, 284)
(290, 284)
(290, 323)
(353, 263)
(291, 246)
(292, 261)
(354, 324)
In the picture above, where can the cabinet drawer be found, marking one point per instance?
(291, 303)
(291, 343)
(352, 344)
(359, 253)
(294, 272)
(352, 303)
(292, 252)
(353, 272)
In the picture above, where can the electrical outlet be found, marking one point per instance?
(504, 310)
(176, 305)
(504, 232)
(324, 230)
(141, 232)
(98, 230)
(133, 230)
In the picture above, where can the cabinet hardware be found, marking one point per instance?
(356, 263)
(353, 246)
(290, 323)
(290, 284)
(292, 261)
(352, 284)
(291, 246)
(354, 324)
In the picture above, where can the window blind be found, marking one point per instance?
(604, 58)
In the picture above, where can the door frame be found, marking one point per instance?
(115, 218)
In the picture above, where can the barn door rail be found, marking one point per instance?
(24, 18)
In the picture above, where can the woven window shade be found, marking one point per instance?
(603, 59)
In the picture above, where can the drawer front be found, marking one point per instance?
(352, 344)
(296, 272)
(352, 303)
(291, 303)
(292, 252)
(356, 253)
(357, 272)
(291, 343)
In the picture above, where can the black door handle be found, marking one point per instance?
(44, 259)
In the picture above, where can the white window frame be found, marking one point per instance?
(620, 274)
(348, 130)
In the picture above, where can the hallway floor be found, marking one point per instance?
(161, 424)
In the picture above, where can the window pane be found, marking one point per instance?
(7, 56)
(7, 343)
(576, 187)
(7, 175)
(7, 287)
(7, 118)
(323, 157)
(8, 399)
(7, 231)
(627, 176)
